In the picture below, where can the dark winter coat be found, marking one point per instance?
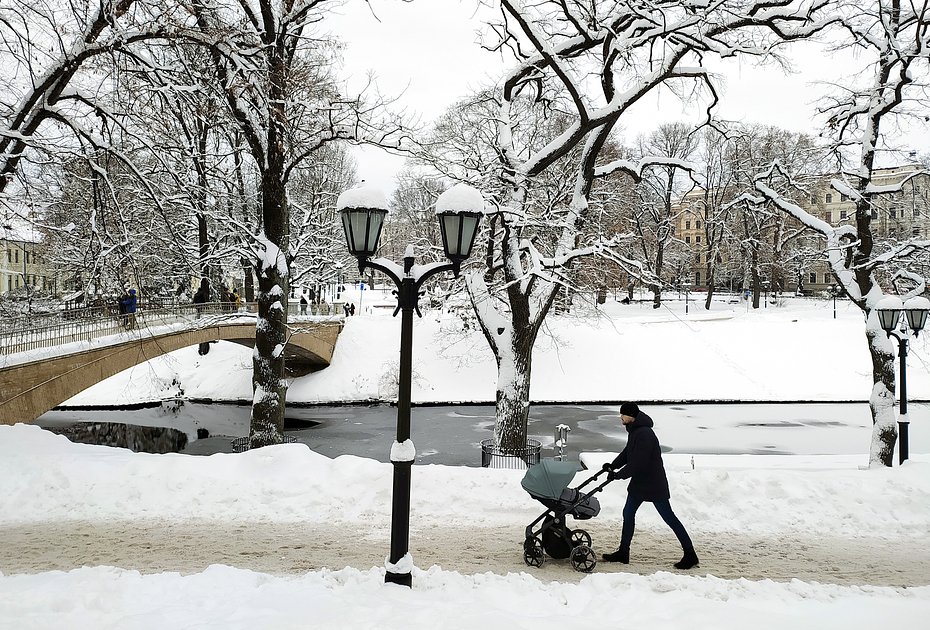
(641, 461)
(202, 296)
(129, 303)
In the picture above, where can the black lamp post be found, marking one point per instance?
(834, 290)
(889, 314)
(765, 285)
(363, 209)
(687, 284)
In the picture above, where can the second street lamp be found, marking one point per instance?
(363, 210)
(915, 318)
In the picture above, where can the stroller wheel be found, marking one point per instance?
(580, 537)
(583, 559)
(533, 554)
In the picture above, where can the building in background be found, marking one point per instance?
(798, 264)
(23, 264)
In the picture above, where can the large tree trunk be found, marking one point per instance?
(511, 336)
(881, 402)
(513, 389)
(269, 387)
(203, 245)
(657, 287)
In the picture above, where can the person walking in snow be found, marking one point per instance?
(641, 463)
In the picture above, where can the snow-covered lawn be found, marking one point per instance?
(792, 352)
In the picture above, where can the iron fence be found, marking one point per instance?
(21, 334)
(22, 339)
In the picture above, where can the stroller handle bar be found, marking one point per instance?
(605, 468)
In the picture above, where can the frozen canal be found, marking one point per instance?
(452, 434)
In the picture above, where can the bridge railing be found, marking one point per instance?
(24, 339)
(31, 334)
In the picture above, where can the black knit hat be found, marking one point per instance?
(629, 409)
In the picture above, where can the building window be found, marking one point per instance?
(813, 278)
(16, 256)
(843, 214)
(687, 225)
(697, 239)
(687, 239)
(697, 278)
(829, 198)
(893, 214)
(697, 225)
(874, 214)
(826, 278)
(828, 217)
(843, 198)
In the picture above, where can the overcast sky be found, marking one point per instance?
(427, 51)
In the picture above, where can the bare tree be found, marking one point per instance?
(561, 48)
(895, 37)
(662, 186)
(276, 75)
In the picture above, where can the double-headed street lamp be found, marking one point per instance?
(889, 314)
(363, 210)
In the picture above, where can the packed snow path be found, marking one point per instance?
(294, 548)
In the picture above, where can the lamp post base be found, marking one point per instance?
(404, 579)
(902, 442)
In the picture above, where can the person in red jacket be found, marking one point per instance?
(641, 463)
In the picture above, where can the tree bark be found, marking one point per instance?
(269, 387)
(881, 402)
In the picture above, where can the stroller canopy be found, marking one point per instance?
(549, 477)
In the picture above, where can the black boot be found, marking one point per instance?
(689, 560)
(620, 555)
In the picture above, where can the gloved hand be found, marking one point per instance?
(613, 475)
(607, 467)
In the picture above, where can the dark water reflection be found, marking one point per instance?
(452, 434)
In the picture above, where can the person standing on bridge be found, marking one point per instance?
(641, 463)
(129, 303)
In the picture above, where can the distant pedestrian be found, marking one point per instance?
(352, 308)
(345, 307)
(303, 303)
(237, 299)
(129, 308)
(641, 463)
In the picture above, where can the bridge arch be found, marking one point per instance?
(27, 390)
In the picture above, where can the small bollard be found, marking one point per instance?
(561, 438)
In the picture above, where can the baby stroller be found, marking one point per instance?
(547, 482)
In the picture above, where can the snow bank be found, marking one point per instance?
(45, 477)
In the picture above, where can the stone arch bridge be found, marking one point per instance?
(58, 366)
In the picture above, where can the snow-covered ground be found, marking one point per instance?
(617, 352)
(44, 478)
(795, 352)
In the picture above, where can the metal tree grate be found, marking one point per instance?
(493, 456)
(241, 444)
